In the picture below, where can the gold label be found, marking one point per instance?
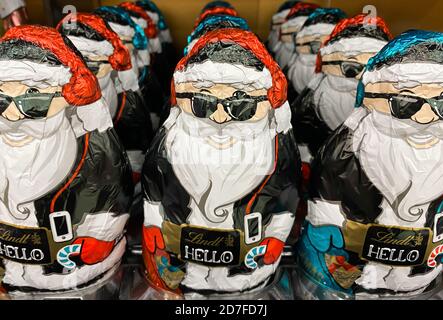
(390, 245)
(211, 247)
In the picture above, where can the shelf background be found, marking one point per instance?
(401, 15)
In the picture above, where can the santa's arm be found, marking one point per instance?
(282, 186)
(98, 234)
(275, 235)
(152, 235)
(153, 180)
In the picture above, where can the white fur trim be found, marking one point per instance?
(121, 30)
(293, 25)
(305, 154)
(225, 73)
(136, 159)
(104, 226)
(283, 118)
(320, 29)
(280, 226)
(128, 80)
(143, 58)
(354, 46)
(165, 36)
(140, 21)
(406, 75)
(153, 214)
(280, 17)
(95, 116)
(91, 47)
(322, 213)
(155, 45)
(34, 74)
(173, 115)
(9, 6)
(153, 16)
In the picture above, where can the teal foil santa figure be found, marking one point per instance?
(375, 212)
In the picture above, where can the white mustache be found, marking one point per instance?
(36, 128)
(403, 128)
(243, 130)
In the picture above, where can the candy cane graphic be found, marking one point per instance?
(64, 253)
(431, 260)
(252, 254)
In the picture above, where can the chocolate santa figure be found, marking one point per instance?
(308, 41)
(164, 63)
(106, 55)
(285, 47)
(150, 85)
(66, 180)
(135, 39)
(277, 20)
(220, 178)
(144, 20)
(329, 98)
(375, 215)
(132, 35)
(214, 23)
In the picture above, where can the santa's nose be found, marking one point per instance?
(425, 115)
(12, 113)
(220, 116)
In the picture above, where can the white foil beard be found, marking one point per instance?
(304, 70)
(335, 99)
(109, 93)
(409, 178)
(215, 178)
(284, 54)
(33, 170)
(273, 39)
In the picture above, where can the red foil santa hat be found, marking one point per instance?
(298, 14)
(62, 66)
(111, 47)
(270, 77)
(300, 8)
(356, 35)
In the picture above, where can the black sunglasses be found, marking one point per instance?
(349, 69)
(404, 106)
(314, 46)
(33, 105)
(240, 106)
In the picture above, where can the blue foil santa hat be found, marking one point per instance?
(214, 23)
(412, 58)
(152, 7)
(122, 23)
